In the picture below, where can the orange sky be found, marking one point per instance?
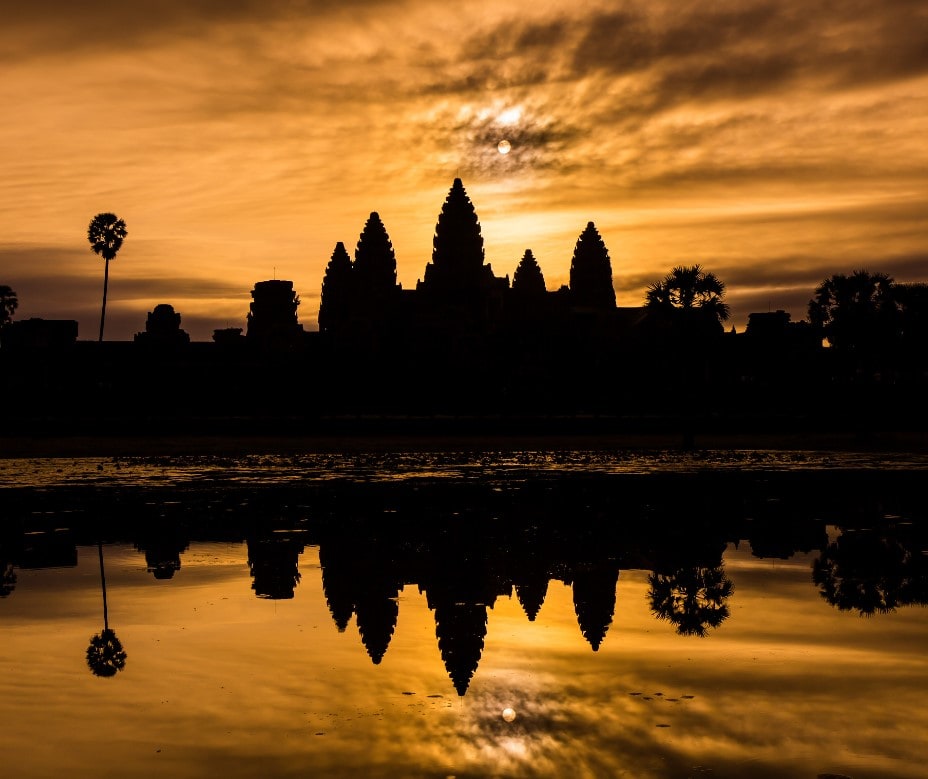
(774, 141)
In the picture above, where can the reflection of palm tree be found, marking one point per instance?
(693, 599)
(7, 579)
(869, 572)
(105, 655)
(106, 234)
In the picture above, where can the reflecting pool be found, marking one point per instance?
(512, 621)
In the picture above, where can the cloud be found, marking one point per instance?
(44, 27)
(247, 136)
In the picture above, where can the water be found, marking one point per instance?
(268, 469)
(432, 615)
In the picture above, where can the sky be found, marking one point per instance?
(774, 142)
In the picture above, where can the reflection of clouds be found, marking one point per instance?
(791, 687)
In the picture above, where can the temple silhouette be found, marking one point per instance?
(466, 342)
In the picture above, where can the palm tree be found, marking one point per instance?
(8, 304)
(106, 234)
(7, 578)
(870, 571)
(105, 655)
(689, 292)
(693, 599)
(857, 313)
(685, 315)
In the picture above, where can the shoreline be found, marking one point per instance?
(78, 445)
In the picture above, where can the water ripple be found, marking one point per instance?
(267, 469)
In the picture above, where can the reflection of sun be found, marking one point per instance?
(515, 747)
(509, 714)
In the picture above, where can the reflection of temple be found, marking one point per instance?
(273, 560)
(462, 568)
(53, 548)
(466, 544)
(460, 583)
(362, 582)
(594, 598)
(162, 545)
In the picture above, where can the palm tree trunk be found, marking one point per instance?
(106, 280)
(106, 621)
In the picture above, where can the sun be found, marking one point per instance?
(504, 147)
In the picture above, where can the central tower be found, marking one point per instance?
(459, 288)
(457, 248)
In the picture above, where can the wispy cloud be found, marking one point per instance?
(243, 136)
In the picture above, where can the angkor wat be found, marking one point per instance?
(468, 343)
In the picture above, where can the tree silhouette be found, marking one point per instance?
(106, 234)
(7, 578)
(693, 598)
(8, 304)
(689, 295)
(105, 655)
(912, 301)
(871, 572)
(591, 271)
(856, 313)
